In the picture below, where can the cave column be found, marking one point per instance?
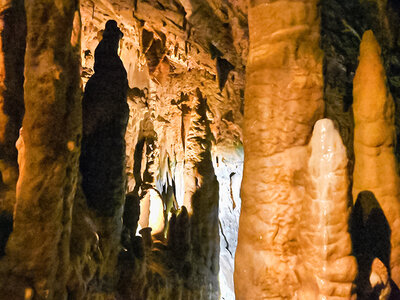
(375, 168)
(283, 99)
(50, 155)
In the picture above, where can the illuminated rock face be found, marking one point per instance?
(283, 101)
(325, 267)
(185, 63)
(48, 178)
(375, 167)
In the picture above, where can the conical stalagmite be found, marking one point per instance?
(283, 101)
(325, 267)
(375, 163)
(201, 196)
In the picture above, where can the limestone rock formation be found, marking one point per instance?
(180, 66)
(375, 167)
(325, 267)
(104, 117)
(12, 45)
(379, 279)
(283, 101)
(201, 186)
(51, 135)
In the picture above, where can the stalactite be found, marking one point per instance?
(283, 101)
(325, 267)
(51, 136)
(375, 167)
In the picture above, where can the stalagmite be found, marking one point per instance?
(51, 136)
(325, 267)
(105, 115)
(202, 199)
(375, 167)
(283, 101)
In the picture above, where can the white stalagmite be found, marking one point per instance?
(325, 267)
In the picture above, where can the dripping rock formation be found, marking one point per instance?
(130, 131)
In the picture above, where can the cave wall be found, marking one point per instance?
(167, 73)
(185, 64)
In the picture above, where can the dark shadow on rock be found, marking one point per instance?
(223, 69)
(105, 114)
(6, 227)
(131, 213)
(13, 36)
(370, 233)
(395, 294)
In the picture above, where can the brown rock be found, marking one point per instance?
(48, 177)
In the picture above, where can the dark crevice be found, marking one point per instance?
(225, 238)
(370, 234)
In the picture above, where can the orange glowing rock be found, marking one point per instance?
(375, 167)
(283, 101)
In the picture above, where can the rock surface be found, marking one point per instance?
(51, 135)
(325, 267)
(283, 101)
(104, 117)
(375, 167)
(185, 69)
(12, 45)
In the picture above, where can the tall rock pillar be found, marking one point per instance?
(375, 167)
(282, 102)
(201, 196)
(49, 162)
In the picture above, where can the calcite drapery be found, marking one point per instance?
(325, 267)
(283, 101)
(51, 135)
(375, 167)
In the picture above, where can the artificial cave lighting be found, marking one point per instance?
(227, 150)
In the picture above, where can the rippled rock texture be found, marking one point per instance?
(49, 166)
(283, 101)
(325, 265)
(153, 212)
